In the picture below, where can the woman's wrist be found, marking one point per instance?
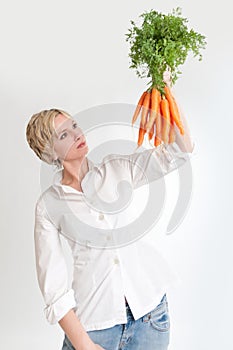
(75, 332)
(85, 343)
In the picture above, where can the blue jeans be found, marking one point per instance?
(150, 332)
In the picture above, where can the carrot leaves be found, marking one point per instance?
(162, 44)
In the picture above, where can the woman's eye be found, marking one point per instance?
(75, 125)
(63, 135)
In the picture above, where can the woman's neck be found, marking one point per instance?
(74, 172)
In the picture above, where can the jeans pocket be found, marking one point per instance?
(160, 318)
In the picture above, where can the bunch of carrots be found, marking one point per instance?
(159, 114)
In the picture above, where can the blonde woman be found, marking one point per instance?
(118, 296)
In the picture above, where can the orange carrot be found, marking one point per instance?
(145, 109)
(155, 94)
(141, 134)
(138, 108)
(144, 113)
(174, 109)
(151, 132)
(158, 124)
(172, 134)
(166, 119)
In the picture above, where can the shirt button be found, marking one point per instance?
(101, 216)
(116, 261)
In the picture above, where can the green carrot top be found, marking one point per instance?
(162, 44)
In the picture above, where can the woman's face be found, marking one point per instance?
(67, 139)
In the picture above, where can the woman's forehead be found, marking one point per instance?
(61, 122)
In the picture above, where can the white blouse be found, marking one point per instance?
(105, 228)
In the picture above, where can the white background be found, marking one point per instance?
(73, 55)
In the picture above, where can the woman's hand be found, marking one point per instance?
(167, 77)
(76, 334)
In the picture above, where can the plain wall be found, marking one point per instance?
(73, 55)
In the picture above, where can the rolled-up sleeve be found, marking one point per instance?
(151, 164)
(51, 268)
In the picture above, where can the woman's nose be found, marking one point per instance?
(77, 137)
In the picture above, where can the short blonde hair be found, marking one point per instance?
(40, 132)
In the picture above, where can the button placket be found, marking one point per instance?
(116, 261)
(101, 216)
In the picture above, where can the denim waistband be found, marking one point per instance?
(128, 310)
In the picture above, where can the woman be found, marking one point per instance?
(118, 296)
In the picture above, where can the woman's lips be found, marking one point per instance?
(81, 144)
